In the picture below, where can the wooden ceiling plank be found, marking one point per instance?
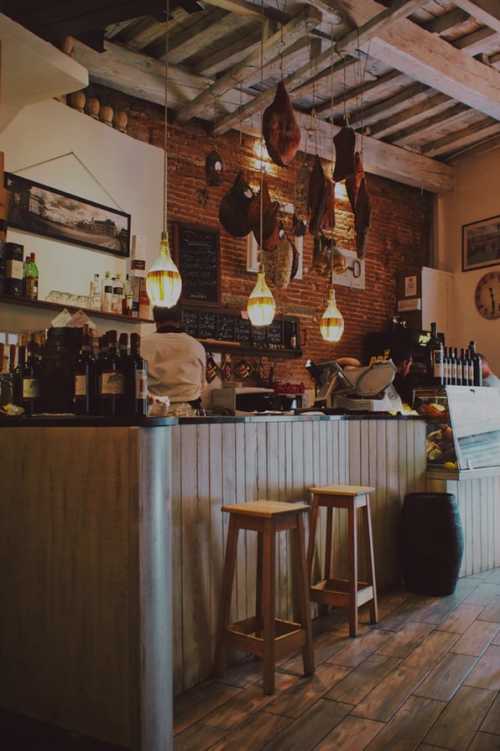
(381, 127)
(230, 55)
(455, 112)
(442, 24)
(116, 28)
(156, 30)
(297, 83)
(197, 35)
(250, 10)
(366, 115)
(487, 12)
(463, 137)
(477, 42)
(358, 91)
(293, 30)
(434, 62)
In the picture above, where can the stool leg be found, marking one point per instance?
(227, 590)
(353, 545)
(323, 609)
(313, 523)
(258, 589)
(371, 564)
(267, 604)
(303, 597)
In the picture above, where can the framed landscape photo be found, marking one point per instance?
(46, 211)
(481, 244)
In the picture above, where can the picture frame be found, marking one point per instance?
(481, 244)
(42, 210)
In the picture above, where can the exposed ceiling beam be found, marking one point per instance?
(232, 53)
(429, 59)
(359, 91)
(345, 46)
(201, 34)
(151, 32)
(455, 112)
(249, 10)
(487, 12)
(116, 28)
(477, 42)
(293, 30)
(379, 158)
(463, 137)
(445, 22)
(368, 114)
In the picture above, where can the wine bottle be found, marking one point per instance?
(84, 379)
(477, 364)
(138, 384)
(436, 357)
(30, 382)
(111, 386)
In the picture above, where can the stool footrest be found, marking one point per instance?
(337, 592)
(247, 637)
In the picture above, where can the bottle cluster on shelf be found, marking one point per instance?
(72, 371)
(454, 366)
(19, 275)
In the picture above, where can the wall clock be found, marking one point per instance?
(488, 295)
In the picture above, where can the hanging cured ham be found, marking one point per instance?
(360, 204)
(321, 200)
(233, 210)
(270, 218)
(345, 143)
(280, 128)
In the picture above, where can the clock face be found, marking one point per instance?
(488, 295)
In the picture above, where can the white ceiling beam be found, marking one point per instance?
(299, 25)
(487, 12)
(430, 60)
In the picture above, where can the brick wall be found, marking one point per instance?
(398, 237)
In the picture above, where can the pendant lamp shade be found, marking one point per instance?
(163, 280)
(332, 321)
(261, 306)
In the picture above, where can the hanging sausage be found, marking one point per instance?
(233, 210)
(280, 128)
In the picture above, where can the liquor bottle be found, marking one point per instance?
(436, 356)
(84, 379)
(17, 365)
(128, 298)
(111, 382)
(137, 380)
(14, 269)
(458, 368)
(446, 366)
(31, 278)
(464, 368)
(105, 281)
(95, 293)
(117, 295)
(107, 297)
(470, 368)
(477, 364)
(30, 381)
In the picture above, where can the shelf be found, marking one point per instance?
(45, 305)
(33, 70)
(235, 347)
(441, 473)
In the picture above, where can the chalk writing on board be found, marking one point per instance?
(198, 258)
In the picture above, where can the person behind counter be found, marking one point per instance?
(176, 366)
(403, 382)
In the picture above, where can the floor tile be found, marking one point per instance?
(254, 734)
(461, 719)
(446, 677)
(308, 731)
(353, 734)
(476, 639)
(409, 726)
(359, 682)
(299, 697)
(486, 673)
(384, 700)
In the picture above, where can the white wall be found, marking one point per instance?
(476, 196)
(56, 145)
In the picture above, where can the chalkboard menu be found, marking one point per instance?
(226, 327)
(197, 254)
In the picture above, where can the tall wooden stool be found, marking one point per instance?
(264, 634)
(349, 593)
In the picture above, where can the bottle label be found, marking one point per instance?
(31, 287)
(80, 385)
(111, 384)
(30, 388)
(471, 374)
(141, 384)
(438, 365)
(14, 269)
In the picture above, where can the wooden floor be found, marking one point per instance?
(427, 677)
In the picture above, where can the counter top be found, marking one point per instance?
(77, 421)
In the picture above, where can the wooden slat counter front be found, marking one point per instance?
(85, 578)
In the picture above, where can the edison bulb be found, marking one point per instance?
(163, 280)
(332, 321)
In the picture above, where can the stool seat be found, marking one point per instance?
(265, 509)
(330, 591)
(263, 634)
(347, 490)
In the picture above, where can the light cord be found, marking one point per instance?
(165, 129)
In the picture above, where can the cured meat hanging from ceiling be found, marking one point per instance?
(280, 128)
(360, 203)
(233, 210)
(268, 214)
(321, 201)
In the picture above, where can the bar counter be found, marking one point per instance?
(94, 512)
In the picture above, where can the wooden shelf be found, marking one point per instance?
(235, 347)
(46, 305)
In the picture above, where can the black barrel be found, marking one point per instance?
(432, 543)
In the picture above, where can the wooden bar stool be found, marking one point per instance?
(264, 634)
(349, 593)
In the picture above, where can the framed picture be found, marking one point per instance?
(481, 244)
(47, 211)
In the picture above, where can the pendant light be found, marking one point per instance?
(163, 280)
(332, 320)
(261, 307)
